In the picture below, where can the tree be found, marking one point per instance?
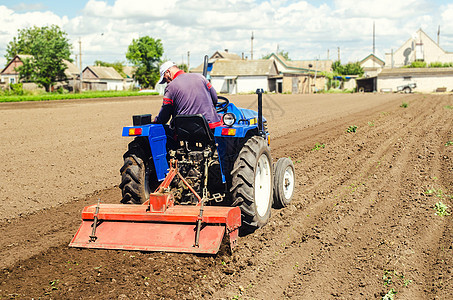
(347, 69)
(282, 53)
(183, 67)
(118, 66)
(49, 47)
(336, 67)
(145, 53)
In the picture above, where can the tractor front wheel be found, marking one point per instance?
(284, 180)
(138, 177)
(252, 181)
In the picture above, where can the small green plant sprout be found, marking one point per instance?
(449, 107)
(441, 209)
(390, 295)
(54, 284)
(404, 105)
(438, 193)
(352, 128)
(387, 277)
(449, 143)
(371, 123)
(318, 147)
(407, 282)
(430, 191)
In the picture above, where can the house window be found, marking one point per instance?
(407, 78)
(11, 80)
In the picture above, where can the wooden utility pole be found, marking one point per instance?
(438, 35)
(251, 53)
(338, 53)
(80, 62)
(374, 41)
(188, 60)
(80, 54)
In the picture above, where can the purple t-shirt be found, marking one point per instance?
(188, 94)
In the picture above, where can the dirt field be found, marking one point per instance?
(362, 224)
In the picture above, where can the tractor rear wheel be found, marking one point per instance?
(251, 186)
(138, 177)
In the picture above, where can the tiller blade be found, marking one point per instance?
(158, 224)
(158, 228)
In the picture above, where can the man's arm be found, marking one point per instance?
(165, 112)
(212, 92)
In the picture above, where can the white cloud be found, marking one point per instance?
(28, 6)
(389, 9)
(306, 29)
(135, 9)
(447, 16)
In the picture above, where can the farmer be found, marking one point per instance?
(186, 94)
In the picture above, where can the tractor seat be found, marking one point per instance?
(193, 129)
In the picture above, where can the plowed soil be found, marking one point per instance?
(362, 223)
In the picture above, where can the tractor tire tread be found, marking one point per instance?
(133, 174)
(242, 187)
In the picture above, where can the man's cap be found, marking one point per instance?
(163, 68)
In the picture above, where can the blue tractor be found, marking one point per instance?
(196, 188)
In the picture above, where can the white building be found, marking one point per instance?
(419, 47)
(427, 79)
(243, 76)
(371, 65)
(102, 79)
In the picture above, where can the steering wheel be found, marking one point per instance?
(222, 106)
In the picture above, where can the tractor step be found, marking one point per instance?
(135, 227)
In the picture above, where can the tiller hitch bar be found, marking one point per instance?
(159, 224)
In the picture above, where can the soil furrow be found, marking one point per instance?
(349, 229)
(267, 275)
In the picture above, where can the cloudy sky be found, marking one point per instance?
(305, 29)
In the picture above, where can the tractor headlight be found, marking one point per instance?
(229, 119)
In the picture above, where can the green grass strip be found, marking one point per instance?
(84, 95)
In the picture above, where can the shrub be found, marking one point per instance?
(16, 89)
(438, 64)
(416, 64)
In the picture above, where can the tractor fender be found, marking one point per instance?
(157, 142)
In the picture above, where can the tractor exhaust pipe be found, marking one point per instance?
(205, 66)
(260, 110)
